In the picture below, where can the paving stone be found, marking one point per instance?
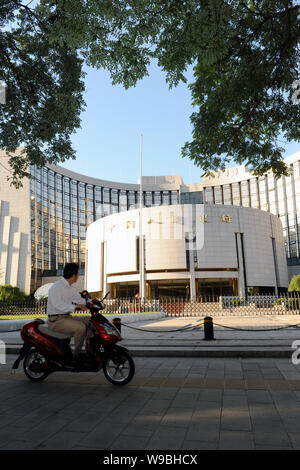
(18, 445)
(167, 438)
(62, 440)
(123, 414)
(207, 410)
(211, 395)
(237, 401)
(204, 430)
(177, 417)
(139, 429)
(124, 442)
(291, 424)
(86, 422)
(102, 436)
(274, 438)
(235, 420)
(259, 396)
(234, 383)
(198, 445)
(232, 440)
(163, 373)
(196, 383)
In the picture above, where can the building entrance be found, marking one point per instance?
(216, 288)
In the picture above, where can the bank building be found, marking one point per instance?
(233, 233)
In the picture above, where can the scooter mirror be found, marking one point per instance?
(106, 295)
(84, 294)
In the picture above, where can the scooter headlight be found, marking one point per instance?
(111, 330)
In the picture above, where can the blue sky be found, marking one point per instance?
(108, 143)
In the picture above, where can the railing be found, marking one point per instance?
(174, 306)
(17, 308)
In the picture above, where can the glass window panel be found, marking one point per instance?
(166, 198)
(292, 234)
(236, 194)
(218, 195)
(227, 194)
(114, 196)
(157, 198)
(82, 217)
(297, 184)
(293, 250)
(262, 193)
(38, 173)
(253, 193)
(106, 209)
(106, 195)
(66, 186)
(209, 195)
(280, 193)
(123, 200)
(245, 193)
(74, 201)
(174, 197)
(272, 193)
(98, 194)
(74, 188)
(148, 198)
(98, 210)
(89, 190)
(131, 199)
(289, 194)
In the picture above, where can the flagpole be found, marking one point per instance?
(141, 244)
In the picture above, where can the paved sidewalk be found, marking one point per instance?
(265, 336)
(172, 403)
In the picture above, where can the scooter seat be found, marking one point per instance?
(44, 329)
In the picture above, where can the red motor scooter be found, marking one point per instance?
(45, 351)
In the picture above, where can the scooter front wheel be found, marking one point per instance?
(33, 365)
(119, 368)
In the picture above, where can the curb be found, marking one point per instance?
(192, 352)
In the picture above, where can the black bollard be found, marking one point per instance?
(117, 323)
(208, 329)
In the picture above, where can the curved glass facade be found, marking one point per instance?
(63, 204)
(62, 207)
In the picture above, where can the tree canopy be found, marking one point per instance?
(245, 57)
(45, 88)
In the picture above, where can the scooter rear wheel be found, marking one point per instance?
(119, 368)
(34, 357)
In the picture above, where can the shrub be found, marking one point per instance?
(10, 293)
(236, 302)
(294, 284)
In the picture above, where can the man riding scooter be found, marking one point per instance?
(63, 299)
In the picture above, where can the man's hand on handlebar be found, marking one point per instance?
(81, 307)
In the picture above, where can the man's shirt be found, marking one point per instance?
(62, 298)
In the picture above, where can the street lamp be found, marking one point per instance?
(141, 244)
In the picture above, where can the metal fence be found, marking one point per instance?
(30, 308)
(251, 305)
(19, 308)
(254, 305)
